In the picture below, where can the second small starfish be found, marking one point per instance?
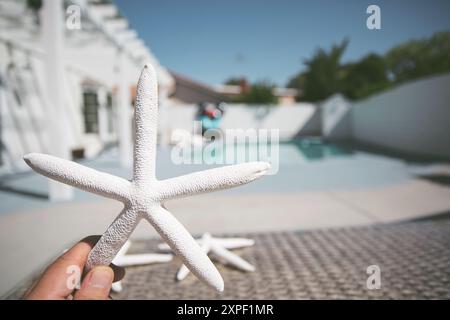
(123, 259)
(220, 247)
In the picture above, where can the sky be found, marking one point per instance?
(214, 40)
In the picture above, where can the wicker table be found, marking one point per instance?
(414, 259)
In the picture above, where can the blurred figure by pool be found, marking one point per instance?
(210, 115)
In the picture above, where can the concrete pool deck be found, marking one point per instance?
(359, 189)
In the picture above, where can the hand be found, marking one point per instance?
(96, 284)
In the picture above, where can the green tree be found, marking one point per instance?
(233, 81)
(420, 58)
(365, 77)
(258, 93)
(323, 74)
(34, 4)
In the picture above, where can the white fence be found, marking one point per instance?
(288, 119)
(413, 118)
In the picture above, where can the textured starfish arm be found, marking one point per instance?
(234, 243)
(183, 245)
(212, 179)
(184, 271)
(113, 239)
(79, 176)
(231, 258)
(123, 251)
(228, 243)
(117, 286)
(164, 247)
(146, 121)
(141, 259)
(124, 260)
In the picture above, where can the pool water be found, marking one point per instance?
(292, 152)
(318, 149)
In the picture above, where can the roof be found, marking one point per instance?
(188, 90)
(235, 90)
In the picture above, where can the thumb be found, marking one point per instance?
(96, 285)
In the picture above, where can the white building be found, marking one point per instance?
(68, 71)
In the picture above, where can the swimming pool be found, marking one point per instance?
(314, 149)
(291, 152)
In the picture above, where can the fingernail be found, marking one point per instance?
(101, 277)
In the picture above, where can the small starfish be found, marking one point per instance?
(219, 247)
(123, 259)
(144, 196)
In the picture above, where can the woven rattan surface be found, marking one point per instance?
(414, 259)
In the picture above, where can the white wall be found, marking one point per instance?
(288, 119)
(334, 117)
(413, 118)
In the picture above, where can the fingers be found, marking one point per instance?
(119, 272)
(96, 285)
(56, 282)
(61, 277)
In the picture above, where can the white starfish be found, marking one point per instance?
(219, 247)
(143, 197)
(123, 259)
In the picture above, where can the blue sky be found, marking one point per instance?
(211, 40)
